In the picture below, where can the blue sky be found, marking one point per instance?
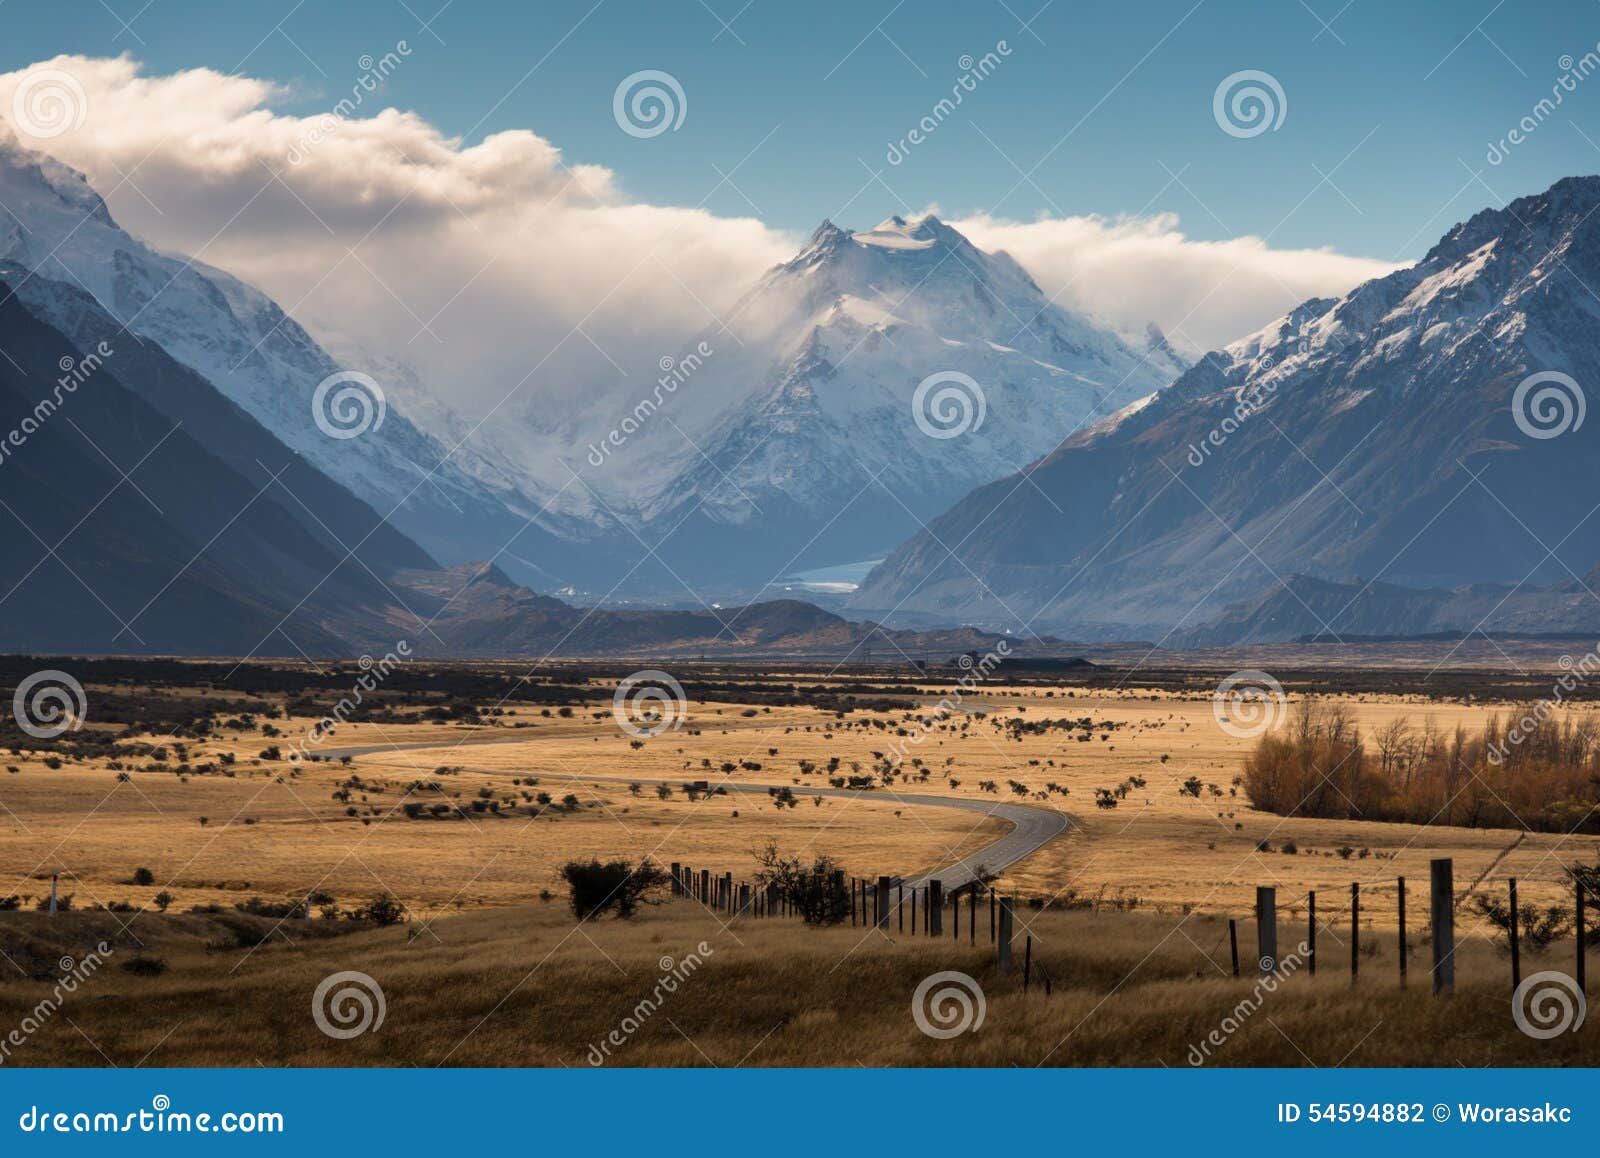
(1101, 103)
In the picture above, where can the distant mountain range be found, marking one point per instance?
(1424, 431)
(176, 478)
(128, 533)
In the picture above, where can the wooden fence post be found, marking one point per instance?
(1355, 931)
(1443, 904)
(1516, 946)
(705, 887)
(955, 915)
(744, 900)
(883, 902)
(727, 892)
(900, 904)
(677, 879)
(1577, 924)
(991, 917)
(1266, 928)
(1005, 934)
(972, 916)
(1233, 943)
(1027, 961)
(1311, 938)
(1402, 922)
(935, 908)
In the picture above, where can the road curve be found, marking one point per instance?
(1032, 827)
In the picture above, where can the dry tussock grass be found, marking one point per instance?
(526, 986)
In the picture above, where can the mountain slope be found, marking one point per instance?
(126, 535)
(326, 510)
(448, 498)
(1373, 434)
(1302, 607)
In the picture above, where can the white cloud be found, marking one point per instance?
(472, 262)
(1133, 271)
(478, 263)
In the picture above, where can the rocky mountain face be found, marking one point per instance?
(1424, 431)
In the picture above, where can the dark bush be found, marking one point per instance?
(616, 886)
(383, 911)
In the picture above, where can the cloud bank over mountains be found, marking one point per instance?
(505, 271)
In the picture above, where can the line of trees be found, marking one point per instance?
(1546, 778)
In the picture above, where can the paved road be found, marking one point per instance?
(1031, 827)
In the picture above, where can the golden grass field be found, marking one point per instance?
(274, 828)
(488, 910)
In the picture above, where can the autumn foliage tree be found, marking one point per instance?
(1533, 772)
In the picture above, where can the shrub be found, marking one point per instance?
(816, 891)
(383, 910)
(611, 886)
(1536, 927)
(143, 876)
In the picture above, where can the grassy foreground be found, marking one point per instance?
(528, 986)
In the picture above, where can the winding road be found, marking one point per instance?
(1032, 827)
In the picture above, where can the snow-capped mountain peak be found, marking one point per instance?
(811, 421)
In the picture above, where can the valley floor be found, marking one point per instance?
(468, 822)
